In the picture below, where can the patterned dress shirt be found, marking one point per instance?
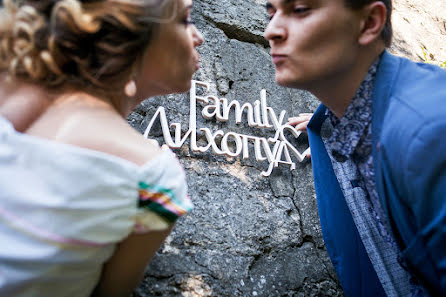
(349, 144)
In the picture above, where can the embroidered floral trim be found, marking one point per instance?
(161, 201)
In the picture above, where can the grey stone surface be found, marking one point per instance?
(248, 235)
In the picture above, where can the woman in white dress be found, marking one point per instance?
(85, 200)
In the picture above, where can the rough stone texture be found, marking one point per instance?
(248, 235)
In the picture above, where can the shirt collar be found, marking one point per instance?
(350, 129)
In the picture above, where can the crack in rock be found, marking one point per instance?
(235, 32)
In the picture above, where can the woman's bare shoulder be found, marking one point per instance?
(122, 140)
(114, 136)
(99, 129)
(22, 103)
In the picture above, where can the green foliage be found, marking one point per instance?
(428, 58)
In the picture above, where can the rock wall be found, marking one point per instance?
(419, 28)
(248, 235)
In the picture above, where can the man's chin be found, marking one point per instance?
(294, 83)
(283, 81)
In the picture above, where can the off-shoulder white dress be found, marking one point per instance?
(63, 209)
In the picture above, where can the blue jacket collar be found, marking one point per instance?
(385, 78)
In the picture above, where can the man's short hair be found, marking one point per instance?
(386, 34)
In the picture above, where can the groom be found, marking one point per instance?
(378, 153)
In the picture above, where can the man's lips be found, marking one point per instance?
(197, 62)
(278, 58)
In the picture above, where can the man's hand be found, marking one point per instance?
(300, 124)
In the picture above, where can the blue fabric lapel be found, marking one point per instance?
(344, 246)
(385, 76)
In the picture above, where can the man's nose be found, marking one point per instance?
(275, 31)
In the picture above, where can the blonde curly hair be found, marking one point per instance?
(89, 43)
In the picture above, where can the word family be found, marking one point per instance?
(275, 150)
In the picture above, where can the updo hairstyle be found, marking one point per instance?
(88, 44)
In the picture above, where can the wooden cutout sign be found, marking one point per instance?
(275, 150)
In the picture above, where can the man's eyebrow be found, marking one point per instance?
(286, 2)
(268, 6)
(282, 3)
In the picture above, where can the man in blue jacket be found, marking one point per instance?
(377, 143)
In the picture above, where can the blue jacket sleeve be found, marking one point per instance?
(425, 183)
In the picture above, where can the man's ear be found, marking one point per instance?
(374, 16)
